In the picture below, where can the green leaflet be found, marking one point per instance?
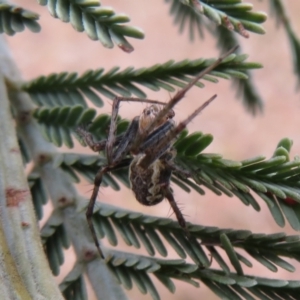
(99, 23)
(231, 253)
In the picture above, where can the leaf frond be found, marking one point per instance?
(68, 89)
(58, 123)
(38, 193)
(245, 88)
(99, 22)
(279, 12)
(135, 269)
(73, 285)
(154, 234)
(14, 19)
(55, 240)
(274, 181)
(233, 15)
(24, 151)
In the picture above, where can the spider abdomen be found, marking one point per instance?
(149, 184)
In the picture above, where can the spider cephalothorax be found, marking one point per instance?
(150, 113)
(149, 141)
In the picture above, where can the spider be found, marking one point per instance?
(148, 139)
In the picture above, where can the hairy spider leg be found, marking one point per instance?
(90, 209)
(163, 112)
(157, 135)
(178, 96)
(181, 221)
(178, 214)
(96, 146)
(155, 153)
(179, 171)
(127, 141)
(117, 162)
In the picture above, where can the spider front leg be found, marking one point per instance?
(88, 138)
(90, 209)
(121, 147)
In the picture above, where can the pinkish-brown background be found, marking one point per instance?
(237, 135)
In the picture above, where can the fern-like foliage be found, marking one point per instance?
(73, 286)
(99, 22)
(273, 180)
(152, 233)
(238, 16)
(15, 19)
(58, 123)
(246, 89)
(229, 286)
(62, 106)
(279, 11)
(55, 240)
(69, 89)
(234, 15)
(185, 14)
(38, 192)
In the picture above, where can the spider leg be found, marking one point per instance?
(132, 99)
(90, 209)
(178, 96)
(178, 170)
(178, 214)
(157, 135)
(96, 146)
(181, 220)
(126, 142)
(153, 154)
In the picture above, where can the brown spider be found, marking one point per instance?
(149, 139)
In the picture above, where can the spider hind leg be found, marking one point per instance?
(182, 222)
(91, 205)
(90, 209)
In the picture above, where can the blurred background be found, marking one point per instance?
(237, 134)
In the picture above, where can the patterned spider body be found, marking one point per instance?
(149, 185)
(149, 140)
